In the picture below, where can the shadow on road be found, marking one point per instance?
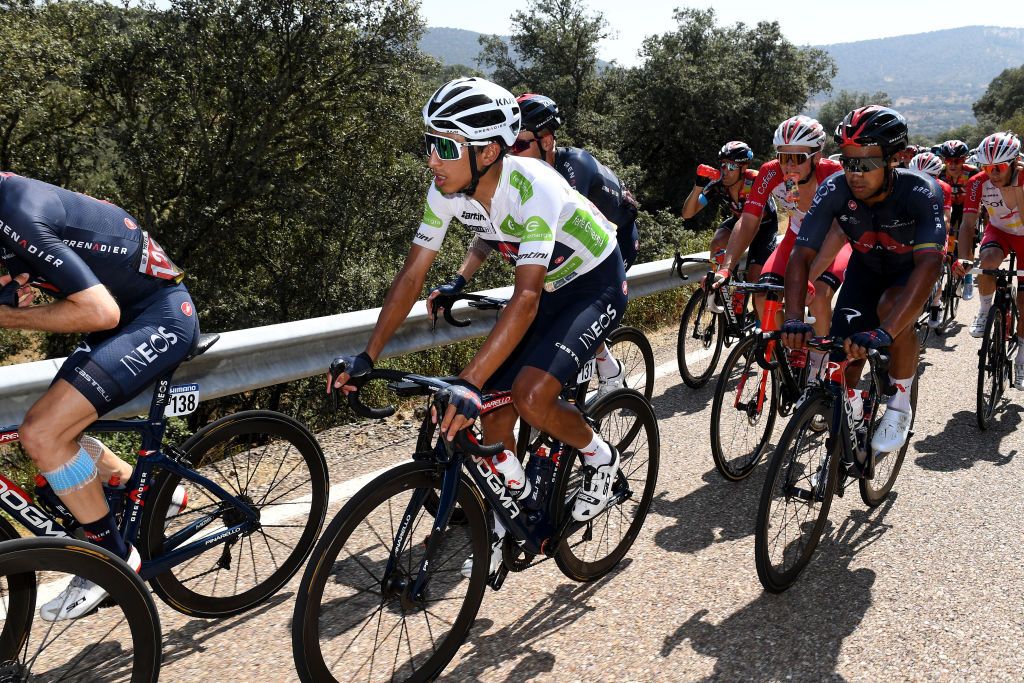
(523, 639)
(718, 511)
(961, 444)
(796, 635)
(682, 400)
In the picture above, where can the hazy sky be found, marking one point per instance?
(805, 23)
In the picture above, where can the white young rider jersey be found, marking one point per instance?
(535, 219)
(982, 192)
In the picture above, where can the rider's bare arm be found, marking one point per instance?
(834, 242)
(475, 256)
(968, 227)
(511, 326)
(692, 205)
(796, 280)
(89, 310)
(742, 235)
(404, 292)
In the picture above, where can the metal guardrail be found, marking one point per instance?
(243, 360)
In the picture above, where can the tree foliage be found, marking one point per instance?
(1003, 99)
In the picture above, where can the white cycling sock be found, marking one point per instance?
(606, 363)
(901, 399)
(597, 452)
(985, 303)
(816, 362)
(499, 528)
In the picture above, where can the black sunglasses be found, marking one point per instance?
(862, 164)
(794, 158)
(523, 144)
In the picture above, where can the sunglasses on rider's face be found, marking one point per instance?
(793, 158)
(862, 164)
(523, 144)
(956, 162)
(995, 168)
(446, 148)
(728, 165)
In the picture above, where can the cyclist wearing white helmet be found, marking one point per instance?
(792, 178)
(930, 164)
(999, 186)
(570, 286)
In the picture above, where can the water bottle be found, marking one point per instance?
(969, 286)
(113, 491)
(511, 470)
(792, 188)
(798, 359)
(540, 472)
(705, 171)
(738, 303)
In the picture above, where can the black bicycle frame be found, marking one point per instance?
(20, 506)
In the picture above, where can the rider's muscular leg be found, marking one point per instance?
(497, 426)
(905, 347)
(49, 435)
(821, 307)
(535, 396)
(991, 258)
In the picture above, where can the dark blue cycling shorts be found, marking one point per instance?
(111, 367)
(570, 325)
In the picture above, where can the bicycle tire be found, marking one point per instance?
(624, 335)
(277, 435)
(321, 572)
(19, 602)
(27, 558)
(739, 466)
(782, 464)
(694, 373)
(630, 442)
(874, 491)
(991, 359)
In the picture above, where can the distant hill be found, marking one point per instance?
(933, 78)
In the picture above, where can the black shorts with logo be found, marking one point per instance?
(570, 325)
(856, 308)
(111, 367)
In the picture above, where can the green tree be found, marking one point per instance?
(1003, 99)
(701, 85)
(553, 52)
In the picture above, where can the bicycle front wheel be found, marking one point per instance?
(796, 497)
(355, 619)
(270, 462)
(887, 465)
(701, 335)
(116, 643)
(991, 367)
(590, 550)
(632, 348)
(743, 412)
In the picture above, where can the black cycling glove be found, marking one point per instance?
(465, 397)
(453, 286)
(9, 294)
(874, 339)
(796, 326)
(355, 366)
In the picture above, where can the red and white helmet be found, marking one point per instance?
(927, 162)
(999, 148)
(800, 130)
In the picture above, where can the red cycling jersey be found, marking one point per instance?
(947, 193)
(770, 182)
(958, 182)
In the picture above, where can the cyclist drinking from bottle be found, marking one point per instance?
(111, 280)
(569, 293)
(894, 220)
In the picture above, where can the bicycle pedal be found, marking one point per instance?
(497, 579)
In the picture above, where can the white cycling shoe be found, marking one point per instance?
(606, 385)
(892, 432)
(467, 566)
(596, 489)
(713, 305)
(977, 328)
(81, 596)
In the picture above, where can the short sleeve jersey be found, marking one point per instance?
(596, 182)
(982, 192)
(69, 242)
(770, 182)
(959, 181)
(715, 192)
(535, 219)
(947, 193)
(887, 235)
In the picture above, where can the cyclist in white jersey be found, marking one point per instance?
(569, 293)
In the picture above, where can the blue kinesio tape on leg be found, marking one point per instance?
(72, 475)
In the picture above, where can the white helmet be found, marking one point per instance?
(800, 130)
(927, 162)
(475, 108)
(998, 148)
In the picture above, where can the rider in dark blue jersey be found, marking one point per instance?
(895, 223)
(110, 279)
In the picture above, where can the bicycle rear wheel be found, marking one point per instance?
(991, 367)
(887, 465)
(116, 643)
(701, 335)
(796, 497)
(274, 464)
(743, 412)
(632, 348)
(350, 624)
(592, 549)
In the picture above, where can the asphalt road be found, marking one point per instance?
(929, 586)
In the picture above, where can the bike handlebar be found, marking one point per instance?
(441, 399)
(477, 301)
